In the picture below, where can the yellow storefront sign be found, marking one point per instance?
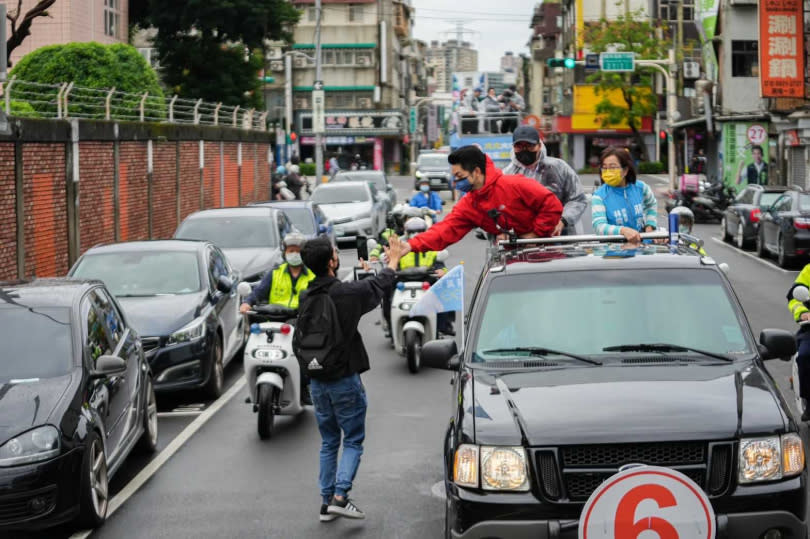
(585, 101)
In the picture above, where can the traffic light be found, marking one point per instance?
(662, 134)
(567, 63)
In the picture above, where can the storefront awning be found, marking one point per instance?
(690, 121)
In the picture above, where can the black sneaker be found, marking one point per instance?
(345, 508)
(325, 516)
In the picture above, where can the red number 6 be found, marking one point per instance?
(627, 527)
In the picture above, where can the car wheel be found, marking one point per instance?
(149, 439)
(216, 377)
(782, 258)
(724, 235)
(267, 410)
(739, 238)
(762, 251)
(413, 350)
(94, 486)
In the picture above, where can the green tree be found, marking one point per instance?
(213, 49)
(631, 32)
(93, 66)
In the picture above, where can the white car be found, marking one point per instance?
(354, 208)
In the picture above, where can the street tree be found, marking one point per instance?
(214, 49)
(21, 23)
(631, 32)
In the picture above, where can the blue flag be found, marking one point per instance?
(447, 294)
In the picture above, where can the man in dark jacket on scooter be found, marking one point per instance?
(340, 404)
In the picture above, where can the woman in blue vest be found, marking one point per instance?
(622, 205)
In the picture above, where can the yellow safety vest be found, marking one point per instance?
(797, 307)
(281, 288)
(377, 251)
(425, 260)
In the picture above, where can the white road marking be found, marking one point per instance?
(155, 464)
(180, 413)
(752, 256)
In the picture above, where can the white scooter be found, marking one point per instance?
(271, 368)
(800, 293)
(410, 332)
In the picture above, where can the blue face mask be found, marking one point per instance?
(424, 188)
(464, 184)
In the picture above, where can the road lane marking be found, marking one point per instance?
(180, 413)
(752, 256)
(155, 464)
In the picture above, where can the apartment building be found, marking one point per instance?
(450, 57)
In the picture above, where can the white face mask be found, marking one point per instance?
(294, 259)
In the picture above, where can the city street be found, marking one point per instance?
(223, 481)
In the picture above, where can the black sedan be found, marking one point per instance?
(305, 216)
(76, 397)
(784, 228)
(740, 221)
(181, 296)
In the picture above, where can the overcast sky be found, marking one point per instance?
(499, 25)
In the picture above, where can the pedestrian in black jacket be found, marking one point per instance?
(340, 405)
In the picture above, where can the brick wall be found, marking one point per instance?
(45, 188)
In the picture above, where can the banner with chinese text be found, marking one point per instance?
(781, 48)
(744, 154)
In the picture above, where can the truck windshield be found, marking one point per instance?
(584, 312)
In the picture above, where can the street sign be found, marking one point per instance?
(318, 121)
(318, 85)
(591, 61)
(644, 499)
(412, 122)
(617, 61)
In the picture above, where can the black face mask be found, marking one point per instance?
(526, 157)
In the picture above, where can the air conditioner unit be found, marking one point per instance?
(299, 62)
(274, 53)
(277, 66)
(364, 102)
(363, 61)
(691, 70)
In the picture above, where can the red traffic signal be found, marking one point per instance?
(662, 134)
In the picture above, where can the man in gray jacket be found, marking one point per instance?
(529, 159)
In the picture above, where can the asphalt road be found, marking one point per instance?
(223, 481)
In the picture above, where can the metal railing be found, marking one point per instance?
(61, 101)
(478, 122)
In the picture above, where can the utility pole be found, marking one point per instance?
(679, 47)
(288, 105)
(317, 93)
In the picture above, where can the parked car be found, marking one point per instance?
(353, 207)
(181, 297)
(305, 216)
(76, 399)
(549, 402)
(784, 228)
(435, 167)
(249, 237)
(377, 177)
(740, 221)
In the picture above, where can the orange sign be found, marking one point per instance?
(781, 46)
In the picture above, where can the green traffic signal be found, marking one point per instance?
(568, 63)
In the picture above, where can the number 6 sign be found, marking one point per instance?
(647, 502)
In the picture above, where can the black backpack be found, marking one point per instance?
(318, 339)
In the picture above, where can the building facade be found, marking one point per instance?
(450, 57)
(103, 21)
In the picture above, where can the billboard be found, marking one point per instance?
(744, 157)
(781, 50)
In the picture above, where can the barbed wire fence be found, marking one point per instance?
(62, 101)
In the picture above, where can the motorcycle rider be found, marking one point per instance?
(686, 220)
(426, 198)
(530, 159)
(802, 314)
(395, 225)
(283, 284)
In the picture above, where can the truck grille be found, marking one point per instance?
(572, 473)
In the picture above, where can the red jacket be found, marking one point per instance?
(525, 206)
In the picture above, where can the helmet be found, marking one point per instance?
(411, 211)
(686, 219)
(399, 208)
(415, 225)
(281, 170)
(293, 239)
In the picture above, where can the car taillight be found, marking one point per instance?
(286, 329)
(802, 222)
(425, 285)
(756, 213)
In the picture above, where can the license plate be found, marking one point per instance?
(435, 181)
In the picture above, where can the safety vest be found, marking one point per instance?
(797, 307)
(377, 251)
(424, 260)
(281, 287)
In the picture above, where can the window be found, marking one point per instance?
(783, 204)
(311, 14)
(363, 58)
(746, 197)
(344, 100)
(355, 13)
(328, 57)
(112, 17)
(103, 326)
(217, 266)
(668, 10)
(744, 59)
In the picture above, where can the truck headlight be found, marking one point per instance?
(191, 332)
(771, 458)
(34, 445)
(503, 468)
(465, 466)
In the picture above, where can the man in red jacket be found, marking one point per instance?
(525, 206)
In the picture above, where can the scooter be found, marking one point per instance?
(800, 293)
(271, 368)
(410, 332)
(712, 202)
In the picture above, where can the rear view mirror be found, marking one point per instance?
(440, 354)
(224, 284)
(244, 289)
(109, 366)
(775, 343)
(801, 293)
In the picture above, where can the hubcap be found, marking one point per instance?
(98, 479)
(151, 414)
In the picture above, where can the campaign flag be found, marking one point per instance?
(447, 294)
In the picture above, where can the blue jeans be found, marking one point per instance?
(340, 408)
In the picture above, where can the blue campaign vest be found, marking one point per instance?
(624, 206)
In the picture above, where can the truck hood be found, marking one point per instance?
(626, 404)
(349, 210)
(158, 316)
